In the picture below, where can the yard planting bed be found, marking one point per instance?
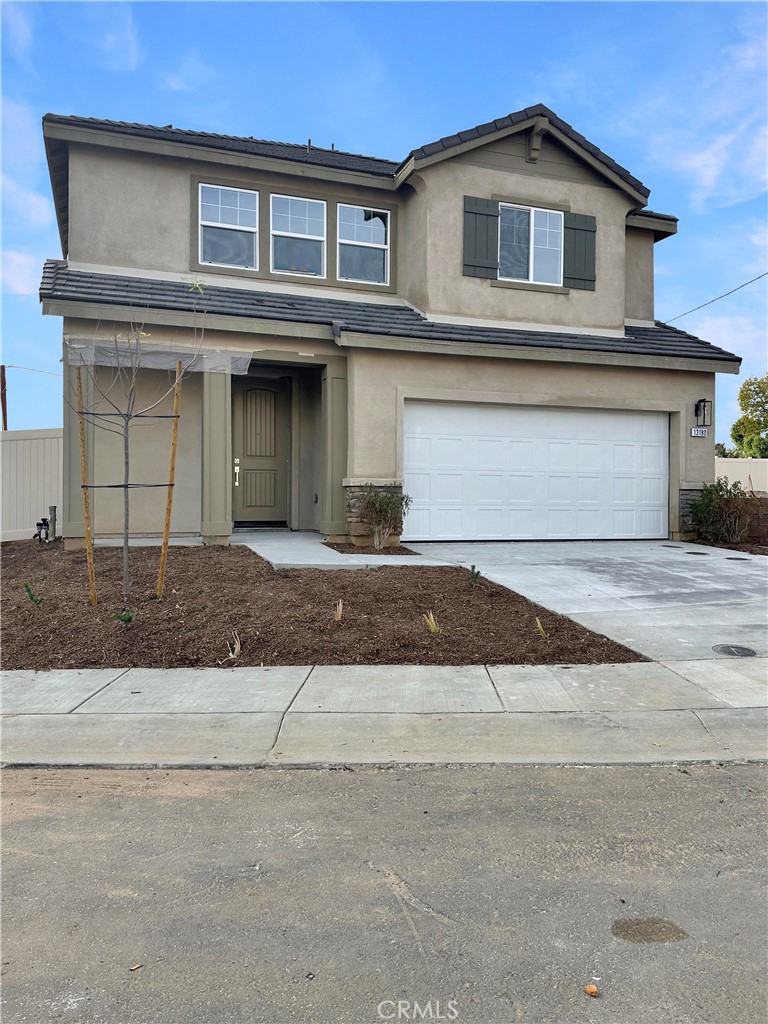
(282, 617)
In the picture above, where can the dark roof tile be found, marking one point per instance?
(302, 153)
(59, 282)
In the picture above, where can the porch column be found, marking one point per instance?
(216, 525)
(334, 446)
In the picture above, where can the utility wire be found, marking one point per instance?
(32, 369)
(718, 298)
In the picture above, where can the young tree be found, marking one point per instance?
(750, 431)
(112, 369)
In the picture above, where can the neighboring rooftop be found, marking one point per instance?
(307, 153)
(141, 294)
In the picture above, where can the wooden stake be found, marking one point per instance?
(171, 476)
(86, 496)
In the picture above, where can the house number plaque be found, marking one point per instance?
(698, 431)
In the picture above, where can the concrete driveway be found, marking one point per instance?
(667, 600)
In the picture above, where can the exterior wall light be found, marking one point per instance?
(703, 412)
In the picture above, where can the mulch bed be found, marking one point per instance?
(283, 617)
(355, 549)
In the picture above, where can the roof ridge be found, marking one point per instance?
(108, 122)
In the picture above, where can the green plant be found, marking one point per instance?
(33, 597)
(383, 512)
(722, 513)
(431, 622)
(126, 616)
(542, 632)
(474, 575)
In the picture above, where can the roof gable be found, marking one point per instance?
(537, 120)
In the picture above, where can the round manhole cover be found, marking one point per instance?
(734, 651)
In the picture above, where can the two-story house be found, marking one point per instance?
(474, 324)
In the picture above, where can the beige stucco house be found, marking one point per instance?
(474, 324)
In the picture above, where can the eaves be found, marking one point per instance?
(354, 339)
(177, 150)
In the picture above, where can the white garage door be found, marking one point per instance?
(488, 472)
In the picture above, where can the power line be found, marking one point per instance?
(32, 369)
(718, 298)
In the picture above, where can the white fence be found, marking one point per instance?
(742, 470)
(31, 463)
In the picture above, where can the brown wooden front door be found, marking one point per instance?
(260, 446)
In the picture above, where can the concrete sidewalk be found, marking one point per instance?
(302, 716)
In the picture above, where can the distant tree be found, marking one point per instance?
(722, 452)
(750, 431)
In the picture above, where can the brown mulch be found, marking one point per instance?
(355, 549)
(283, 617)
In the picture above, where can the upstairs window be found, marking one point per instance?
(363, 245)
(229, 227)
(298, 236)
(530, 245)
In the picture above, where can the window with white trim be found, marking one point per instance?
(298, 236)
(363, 245)
(229, 220)
(530, 245)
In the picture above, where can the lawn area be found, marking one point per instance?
(283, 617)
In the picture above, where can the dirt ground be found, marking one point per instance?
(283, 617)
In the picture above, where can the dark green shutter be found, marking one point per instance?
(481, 237)
(579, 252)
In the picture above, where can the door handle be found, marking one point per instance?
(237, 472)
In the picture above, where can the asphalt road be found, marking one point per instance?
(485, 895)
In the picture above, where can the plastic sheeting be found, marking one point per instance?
(147, 355)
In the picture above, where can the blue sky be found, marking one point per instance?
(675, 92)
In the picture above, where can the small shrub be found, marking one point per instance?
(474, 575)
(33, 597)
(431, 622)
(723, 512)
(383, 512)
(126, 617)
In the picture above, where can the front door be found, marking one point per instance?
(260, 445)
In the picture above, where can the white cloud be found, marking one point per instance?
(23, 150)
(17, 28)
(189, 76)
(21, 273)
(739, 333)
(111, 36)
(25, 206)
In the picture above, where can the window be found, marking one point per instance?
(298, 236)
(530, 245)
(363, 245)
(229, 227)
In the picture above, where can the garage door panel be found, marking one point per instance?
(517, 472)
(418, 452)
(651, 458)
(652, 491)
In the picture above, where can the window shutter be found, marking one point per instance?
(579, 252)
(481, 237)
